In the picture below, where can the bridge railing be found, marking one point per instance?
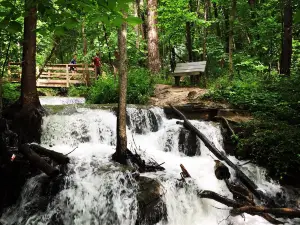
(56, 75)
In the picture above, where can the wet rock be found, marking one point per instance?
(141, 121)
(56, 220)
(151, 207)
(153, 121)
(188, 143)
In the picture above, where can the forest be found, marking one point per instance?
(250, 50)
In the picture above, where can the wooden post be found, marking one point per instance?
(49, 74)
(8, 71)
(67, 76)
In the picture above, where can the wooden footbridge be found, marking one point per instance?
(55, 75)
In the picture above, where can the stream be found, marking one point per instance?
(97, 192)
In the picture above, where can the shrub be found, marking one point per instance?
(272, 139)
(78, 91)
(11, 92)
(139, 88)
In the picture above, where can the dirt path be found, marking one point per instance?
(178, 96)
(167, 94)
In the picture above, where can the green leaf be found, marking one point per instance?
(117, 21)
(71, 23)
(59, 31)
(297, 17)
(14, 27)
(134, 20)
(7, 4)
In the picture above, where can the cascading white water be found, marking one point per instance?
(98, 191)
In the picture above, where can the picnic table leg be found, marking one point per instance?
(192, 78)
(197, 80)
(177, 80)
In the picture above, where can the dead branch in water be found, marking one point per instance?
(221, 156)
(246, 205)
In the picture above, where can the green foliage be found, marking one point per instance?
(140, 88)
(273, 138)
(78, 91)
(11, 93)
(104, 90)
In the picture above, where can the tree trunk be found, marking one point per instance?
(142, 10)
(189, 45)
(286, 52)
(26, 114)
(29, 94)
(137, 27)
(217, 17)
(154, 63)
(204, 56)
(230, 36)
(226, 23)
(55, 44)
(84, 42)
(120, 154)
(189, 42)
(107, 44)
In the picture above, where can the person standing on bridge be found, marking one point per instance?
(73, 61)
(97, 65)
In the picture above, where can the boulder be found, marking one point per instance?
(188, 143)
(151, 207)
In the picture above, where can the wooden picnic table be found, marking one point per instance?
(192, 69)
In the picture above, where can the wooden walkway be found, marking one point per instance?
(55, 75)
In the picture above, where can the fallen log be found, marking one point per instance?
(280, 212)
(55, 156)
(221, 156)
(236, 205)
(37, 161)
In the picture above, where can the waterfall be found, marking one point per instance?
(96, 190)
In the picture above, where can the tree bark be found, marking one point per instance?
(136, 6)
(230, 36)
(286, 52)
(204, 56)
(189, 39)
(29, 94)
(154, 63)
(280, 212)
(189, 44)
(107, 44)
(120, 154)
(55, 156)
(37, 161)
(226, 32)
(84, 42)
(217, 17)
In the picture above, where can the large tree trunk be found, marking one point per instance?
(204, 56)
(189, 42)
(136, 6)
(189, 45)
(230, 36)
(286, 52)
(120, 154)
(26, 114)
(154, 63)
(29, 94)
(226, 30)
(217, 17)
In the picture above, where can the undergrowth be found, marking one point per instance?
(272, 139)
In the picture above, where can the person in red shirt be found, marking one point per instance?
(97, 65)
